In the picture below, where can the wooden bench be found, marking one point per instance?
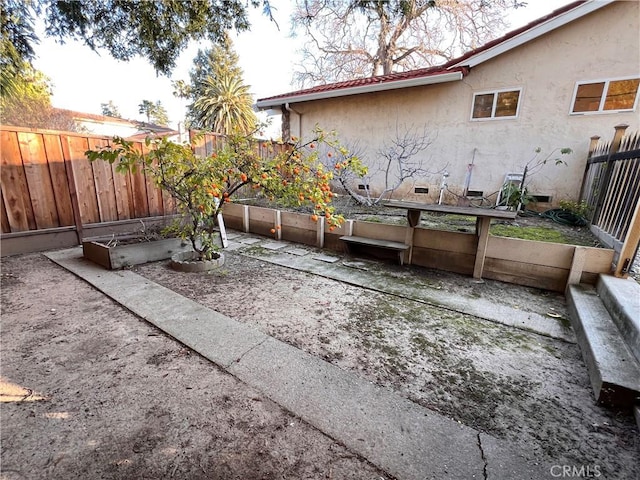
(372, 242)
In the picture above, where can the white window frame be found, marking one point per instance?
(495, 102)
(603, 99)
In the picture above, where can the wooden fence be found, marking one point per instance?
(52, 196)
(611, 188)
(48, 183)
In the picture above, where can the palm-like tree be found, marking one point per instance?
(225, 106)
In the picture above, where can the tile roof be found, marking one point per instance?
(360, 82)
(453, 65)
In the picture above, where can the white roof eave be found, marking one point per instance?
(533, 33)
(369, 88)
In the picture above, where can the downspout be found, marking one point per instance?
(289, 109)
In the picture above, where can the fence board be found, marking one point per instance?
(380, 231)
(168, 204)
(440, 240)
(538, 276)
(611, 185)
(633, 187)
(4, 220)
(36, 172)
(122, 184)
(154, 198)
(14, 185)
(59, 181)
(531, 252)
(83, 176)
(103, 178)
(139, 189)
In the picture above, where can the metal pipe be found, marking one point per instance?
(443, 186)
(289, 109)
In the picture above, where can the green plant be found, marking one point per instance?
(202, 186)
(581, 209)
(540, 234)
(513, 196)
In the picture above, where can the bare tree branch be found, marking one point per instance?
(399, 160)
(361, 38)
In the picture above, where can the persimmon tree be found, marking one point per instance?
(201, 186)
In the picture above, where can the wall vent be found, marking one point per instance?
(542, 198)
(475, 193)
(421, 190)
(362, 187)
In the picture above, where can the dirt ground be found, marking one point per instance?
(527, 388)
(98, 393)
(121, 400)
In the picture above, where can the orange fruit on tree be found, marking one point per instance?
(273, 230)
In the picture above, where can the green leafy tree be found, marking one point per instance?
(219, 99)
(27, 103)
(225, 106)
(110, 109)
(203, 186)
(214, 62)
(156, 30)
(155, 112)
(16, 49)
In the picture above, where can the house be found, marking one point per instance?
(114, 126)
(551, 84)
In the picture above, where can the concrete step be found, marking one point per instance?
(613, 369)
(621, 297)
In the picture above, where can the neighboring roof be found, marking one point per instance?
(143, 134)
(96, 118)
(451, 71)
(143, 128)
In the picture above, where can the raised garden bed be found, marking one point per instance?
(114, 253)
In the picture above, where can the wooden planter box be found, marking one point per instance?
(127, 255)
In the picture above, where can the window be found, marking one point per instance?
(606, 96)
(498, 104)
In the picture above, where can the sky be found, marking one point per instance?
(83, 79)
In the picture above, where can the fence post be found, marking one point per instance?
(592, 147)
(613, 148)
(320, 233)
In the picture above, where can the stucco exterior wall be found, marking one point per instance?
(602, 45)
